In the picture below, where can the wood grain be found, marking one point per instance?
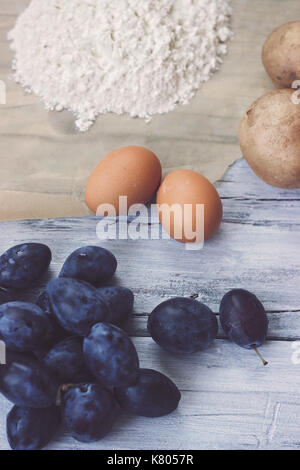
(229, 401)
(45, 162)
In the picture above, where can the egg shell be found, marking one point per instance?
(189, 187)
(131, 171)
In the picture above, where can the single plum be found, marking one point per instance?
(31, 428)
(91, 264)
(244, 319)
(89, 412)
(23, 265)
(183, 326)
(111, 356)
(152, 396)
(25, 382)
(77, 305)
(23, 326)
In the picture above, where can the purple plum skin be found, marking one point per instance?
(89, 412)
(23, 265)
(243, 318)
(91, 264)
(23, 326)
(152, 396)
(111, 356)
(25, 382)
(183, 325)
(32, 428)
(76, 305)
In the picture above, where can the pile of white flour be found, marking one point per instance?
(140, 57)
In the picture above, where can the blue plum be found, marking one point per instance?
(6, 296)
(23, 265)
(66, 361)
(152, 396)
(31, 428)
(111, 356)
(55, 332)
(23, 326)
(244, 319)
(91, 264)
(25, 382)
(119, 301)
(183, 326)
(76, 305)
(89, 412)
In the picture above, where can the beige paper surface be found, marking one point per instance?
(45, 162)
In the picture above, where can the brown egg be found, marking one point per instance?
(131, 171)
(186, 187)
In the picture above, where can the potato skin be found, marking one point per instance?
(269, 137)
(280, 55)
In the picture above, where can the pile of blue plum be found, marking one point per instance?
(69, 362)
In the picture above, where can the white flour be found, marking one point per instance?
(140, 57)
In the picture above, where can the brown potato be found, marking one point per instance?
(269, 137)
(281, 54)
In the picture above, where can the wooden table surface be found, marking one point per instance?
(45, 162)
(229, 400)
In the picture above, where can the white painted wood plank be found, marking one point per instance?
(269, 213)
(228, 401)
(233, 185)
(262, 259)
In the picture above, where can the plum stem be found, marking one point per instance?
(66, 387)
(265, 363)
(63, 389)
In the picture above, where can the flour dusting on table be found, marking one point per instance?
(122, 56)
